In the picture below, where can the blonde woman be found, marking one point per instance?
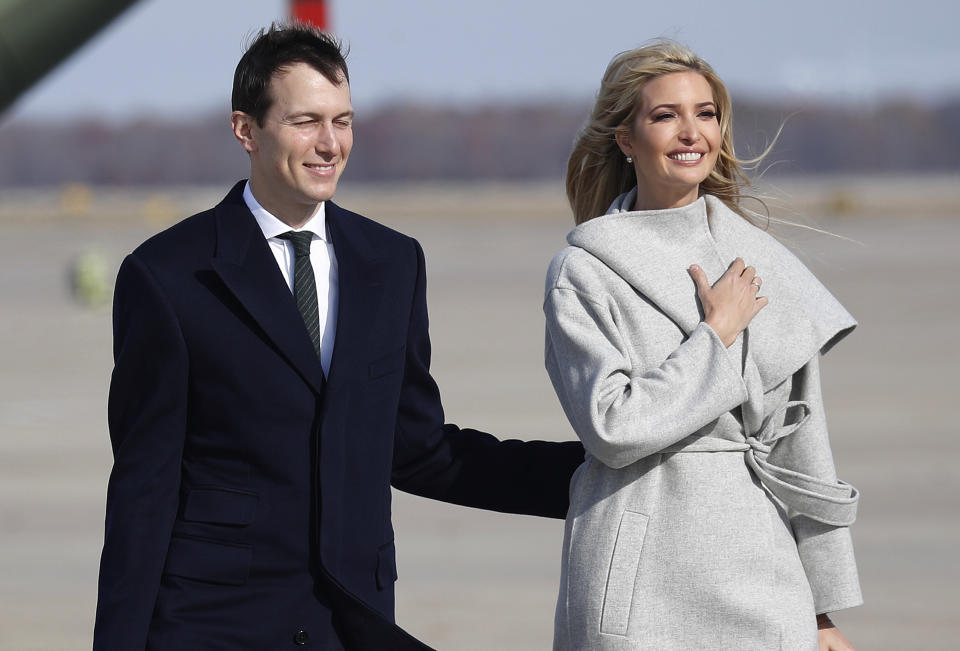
(683, 343)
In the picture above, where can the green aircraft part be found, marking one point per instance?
(36, 35)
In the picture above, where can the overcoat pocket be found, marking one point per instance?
(227, 506)
(622, 575)
(208, 560)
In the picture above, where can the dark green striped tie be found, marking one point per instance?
(304, 283)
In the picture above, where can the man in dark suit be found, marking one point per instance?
(271, 382)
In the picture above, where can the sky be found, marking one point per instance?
(175, 58)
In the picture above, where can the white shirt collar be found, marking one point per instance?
(272, 227)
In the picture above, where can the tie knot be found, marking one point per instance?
(301, 241)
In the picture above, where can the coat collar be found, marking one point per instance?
(652, 250)
(247, 267)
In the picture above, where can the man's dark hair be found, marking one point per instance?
(275, 49)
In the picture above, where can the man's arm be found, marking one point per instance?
(465, 466)
(147, 419)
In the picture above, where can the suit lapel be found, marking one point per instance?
(247, 267)
(360, 277)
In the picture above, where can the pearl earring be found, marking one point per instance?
(629, 159)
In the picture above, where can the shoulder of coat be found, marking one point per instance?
(574, 268)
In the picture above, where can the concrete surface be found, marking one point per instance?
(472, 580)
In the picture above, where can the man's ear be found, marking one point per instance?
(243, 130)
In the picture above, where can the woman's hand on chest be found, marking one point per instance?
(732, 302)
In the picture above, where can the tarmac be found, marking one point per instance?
(473, 580)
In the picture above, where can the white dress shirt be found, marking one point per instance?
(322, 259)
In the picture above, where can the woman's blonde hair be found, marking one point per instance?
(597, 171)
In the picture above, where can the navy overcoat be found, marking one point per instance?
(249, 502)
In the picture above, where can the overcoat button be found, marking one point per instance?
(300, 638)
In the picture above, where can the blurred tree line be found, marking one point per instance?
(496, 142)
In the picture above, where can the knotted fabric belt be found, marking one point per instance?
(830, 502)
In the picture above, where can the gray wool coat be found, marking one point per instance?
(708, 513)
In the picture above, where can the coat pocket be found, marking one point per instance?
(622, 575)
(226, 506)
(209, 561)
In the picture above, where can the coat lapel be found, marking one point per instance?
(247, 267)
(652, 252)
(802, 318)
(360, 273)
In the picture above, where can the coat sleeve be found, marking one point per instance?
(623, 413)
(465, 466)
(826, 551)
(147, 419)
